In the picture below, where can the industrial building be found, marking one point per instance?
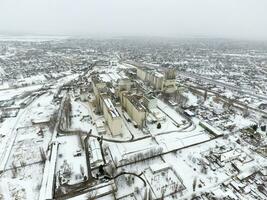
(162, 82)
(96, 156)
(98, 85)
(124, 84)
(111, 116)
(169, 84)
(135, 108)
(105, 105)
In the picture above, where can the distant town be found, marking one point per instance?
(133, 119)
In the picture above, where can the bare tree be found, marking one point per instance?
(14, 170)
(194, 184)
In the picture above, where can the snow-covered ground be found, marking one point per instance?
(22, 149)
(69, 160)
(10, 93)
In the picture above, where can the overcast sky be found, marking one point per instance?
(245, 19)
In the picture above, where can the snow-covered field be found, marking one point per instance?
(22, 149)
(10, 93)
(69, 161)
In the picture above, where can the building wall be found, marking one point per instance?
(141, 74)
(96, 87)
(114, 123)
(169, 86)
(139, 117)
(158, 83)
(170, 73)
(136, 115)
(125, 84)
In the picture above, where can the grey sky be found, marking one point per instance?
(173, 18)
